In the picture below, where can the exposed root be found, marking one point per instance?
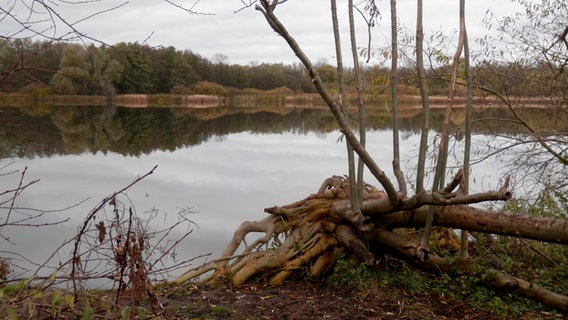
(304, 236)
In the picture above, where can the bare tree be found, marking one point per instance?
(394, 99)
(344, 103)
(420, 72)
(468, 123)
(441, 160)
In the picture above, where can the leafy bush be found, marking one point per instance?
(210, 88)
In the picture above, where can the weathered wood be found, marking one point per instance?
(545, 229)
(322, 245)
(406, 249)
(351, 241)
(502, 281)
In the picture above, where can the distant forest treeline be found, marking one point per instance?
(130, 68)
(133, 68)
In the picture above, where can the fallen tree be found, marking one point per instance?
(359, 220)
(306, 237)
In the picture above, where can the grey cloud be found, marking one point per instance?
(244, 36)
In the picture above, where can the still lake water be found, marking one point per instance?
(228, 166)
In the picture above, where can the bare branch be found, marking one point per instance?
(190, 9)
(273, 21)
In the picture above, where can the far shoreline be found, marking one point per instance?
(309, 100)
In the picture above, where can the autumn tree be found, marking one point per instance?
(209, 88)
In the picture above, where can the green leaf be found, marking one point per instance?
(87, 313)
(53, 276)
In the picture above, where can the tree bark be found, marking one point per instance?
(468, 123)
(394, 100)
(501, 281)
(360, 103)
(420, 72)
(474, 219)
(354, 191)
(406, 249)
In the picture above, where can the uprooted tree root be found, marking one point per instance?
(305, 236)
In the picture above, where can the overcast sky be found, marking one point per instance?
(245, 37)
